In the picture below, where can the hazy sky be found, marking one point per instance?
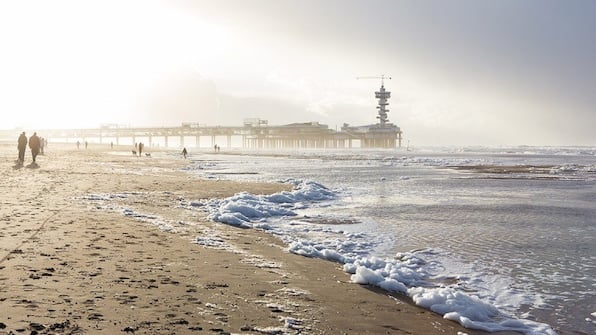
(502, 72)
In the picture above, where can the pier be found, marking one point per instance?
(248, 136)
(252, 134)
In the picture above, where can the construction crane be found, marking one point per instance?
(382, 77)
(383, 96)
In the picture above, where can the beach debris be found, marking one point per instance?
(130, 329)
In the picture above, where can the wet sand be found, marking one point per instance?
(72, 265)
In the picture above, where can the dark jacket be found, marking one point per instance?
(22, 142)
(34, 143)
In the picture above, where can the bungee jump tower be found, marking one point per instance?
(380, 135)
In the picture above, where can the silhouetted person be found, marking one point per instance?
(78, 145)
(140, 148)
(42, 142)
(22, 146)
(34, 144)
(86, 144)
(184, 152)
(111, 145)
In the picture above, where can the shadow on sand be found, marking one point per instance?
(17, 164)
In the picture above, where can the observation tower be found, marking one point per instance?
(383, 95)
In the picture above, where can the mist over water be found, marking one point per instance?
(525, 241)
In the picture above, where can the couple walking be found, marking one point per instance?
(34, 145)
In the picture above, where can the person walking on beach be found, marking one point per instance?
(22, 145)
(78, 144)
(140, 148)
(184, 152)
(34, 144)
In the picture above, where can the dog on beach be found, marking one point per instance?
(147, 154)
(134, 152)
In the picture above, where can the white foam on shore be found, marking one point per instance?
(407, 274)
(247, 210)
(103, 201)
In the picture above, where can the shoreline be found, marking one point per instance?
(67, 266)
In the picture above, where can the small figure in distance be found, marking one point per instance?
(78, 145)
(86, 144)
(22, 145)
(184, 152)
(34, 144)
(141, 149)
(41, 145)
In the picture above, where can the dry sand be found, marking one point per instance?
(69, 267)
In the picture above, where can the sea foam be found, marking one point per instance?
(405, 274)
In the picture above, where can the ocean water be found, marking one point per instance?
(516, 238)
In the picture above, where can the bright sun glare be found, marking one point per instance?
(74, 63)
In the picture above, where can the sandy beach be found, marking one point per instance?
(69, 266)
